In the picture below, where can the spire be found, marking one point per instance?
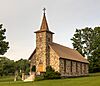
(44, 25)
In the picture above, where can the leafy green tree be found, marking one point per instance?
(3, 44)
(87, 42)
(95, 57)
(7, 66)
(23, 66)
(82, 41)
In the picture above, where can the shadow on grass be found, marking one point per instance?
(94, 74)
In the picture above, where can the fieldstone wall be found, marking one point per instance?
(68, 68)
(54, 60)
(42, 50)
(86, 68)
(62, 67)
(78, 68)
(83, 69)
(49, 37)
(72, 68)
(33, 60)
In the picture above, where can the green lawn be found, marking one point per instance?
(91, 80)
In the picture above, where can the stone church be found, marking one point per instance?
(68, 62)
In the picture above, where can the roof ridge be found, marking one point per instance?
(63, 46)
(68, 53)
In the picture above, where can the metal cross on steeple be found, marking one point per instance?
(44, 10)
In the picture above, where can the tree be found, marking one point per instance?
(7, 66)
(23, 66)
(95, 57)
(82, 41)
(3, 44)
(87, 42)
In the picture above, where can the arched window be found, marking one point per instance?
(34, 68)
(64, 65)
(71, 70)
(76, 67)
(81, 68)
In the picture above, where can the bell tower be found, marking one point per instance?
(43, 38)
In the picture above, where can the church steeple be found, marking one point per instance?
(44, 37)
(44, 25)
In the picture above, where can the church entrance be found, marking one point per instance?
(40, 68)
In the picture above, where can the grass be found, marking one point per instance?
(91, 80)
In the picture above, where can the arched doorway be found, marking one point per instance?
(33, 68)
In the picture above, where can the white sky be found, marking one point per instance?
(22, 17)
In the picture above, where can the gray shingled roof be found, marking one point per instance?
(67, 53)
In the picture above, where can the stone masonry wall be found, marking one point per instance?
(54, 60)
(73, 68)
(68, 68)
(33, 61)
(78, 68)
(41, 50)
(62, 67)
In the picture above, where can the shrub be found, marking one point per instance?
(39, 78)
(51, 74)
